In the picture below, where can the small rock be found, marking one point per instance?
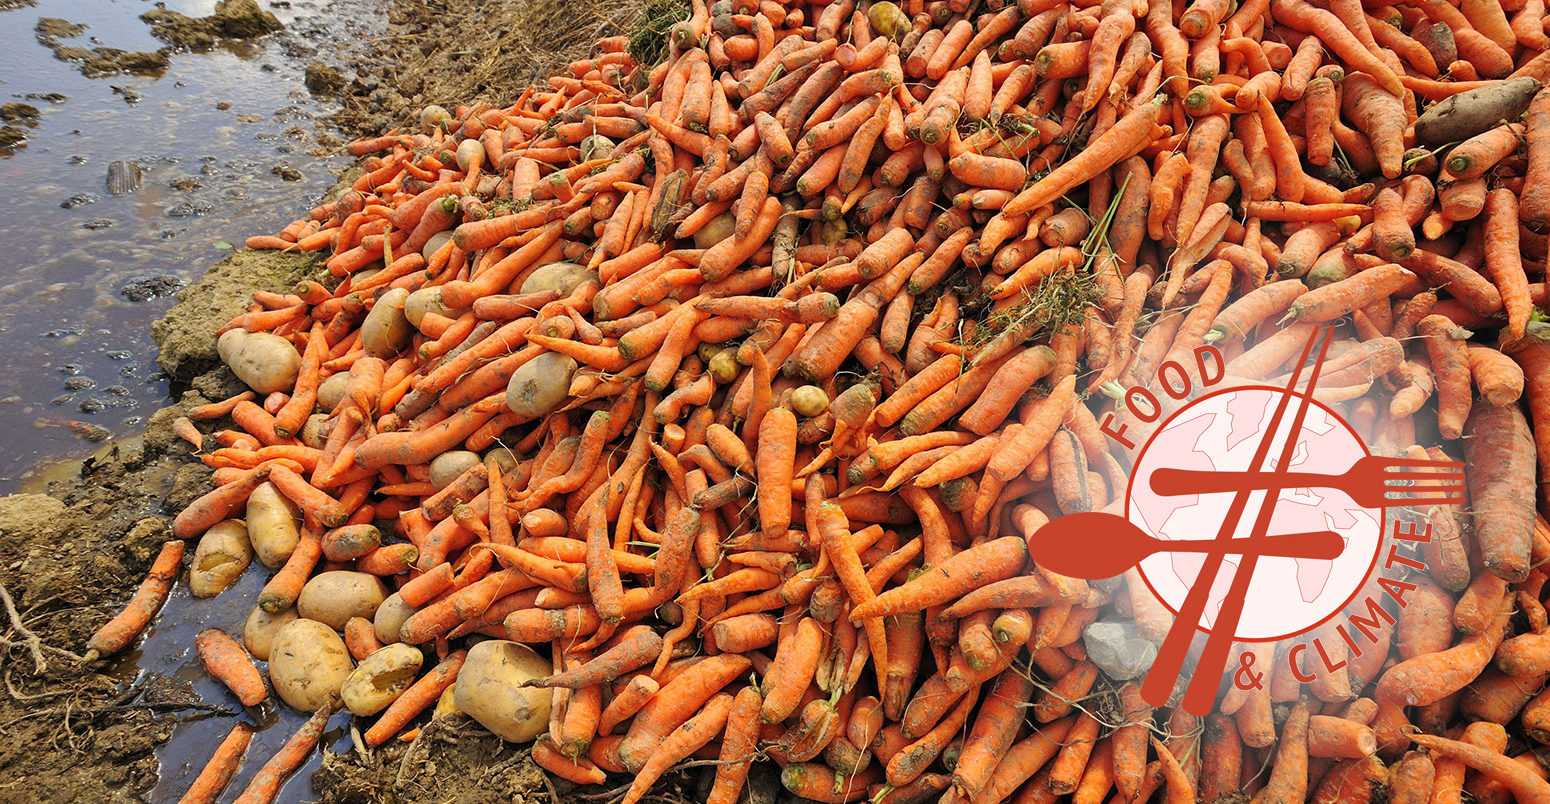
(1118, 649)
(91, 405)
(124, 177)
(131, 95)
(323, 79)
(100, 223)
(79, 383)
(286, 172)
(184, 183)
(243, 19)
(190, 209)
(78, 200)
(222, 106)
(18, 111)
(105, 61)
(145, 288)
(12, 137)
(50, 30)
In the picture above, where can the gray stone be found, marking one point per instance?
(1118, 649)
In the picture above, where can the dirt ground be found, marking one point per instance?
(454, 52)
(74, 554)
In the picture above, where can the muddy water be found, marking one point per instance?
(83, 273)
(225, 141)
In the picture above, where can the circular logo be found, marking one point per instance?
(1221, 432)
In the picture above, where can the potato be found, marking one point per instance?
(809, 400)
(266, 363)
(386, 330)
(596, 146)
(331, 390)
(222, 556)
(887, 19)
(540, 385)
(259, 631)
(314, 431)
(467, 152)
(380, 678)
(724, 367)
(434, 244)
(425, 300)
(433, 117)
(390, 617)
(489, 690)
(273, 525)
(308, 663)
(332, 598)
(1459, 117)
(447, 703)
(560, 276)
(719, 229)
(448, 465)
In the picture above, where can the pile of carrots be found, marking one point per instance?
(784, 509)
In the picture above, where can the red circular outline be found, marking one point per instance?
(1382, 519)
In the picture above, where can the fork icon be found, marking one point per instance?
(1370, 482)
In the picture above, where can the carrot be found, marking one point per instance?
(217, 505)
(265, 785)
(670, 707)
(1336, 299)
(992, 733)
(1503, 258)
(987, 563)
(634, 648)
(116, 634)
(420, 696)
(222, 767)
(737, 747)
(229, 663)
(1450, 365)
(1525, 785)
(1122, 140)
(796, 660)
(1498, 450)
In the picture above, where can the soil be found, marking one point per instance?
(76, 552)
(452, 52)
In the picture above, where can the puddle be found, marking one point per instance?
(85, 272)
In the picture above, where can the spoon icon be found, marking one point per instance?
(1093, 544)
